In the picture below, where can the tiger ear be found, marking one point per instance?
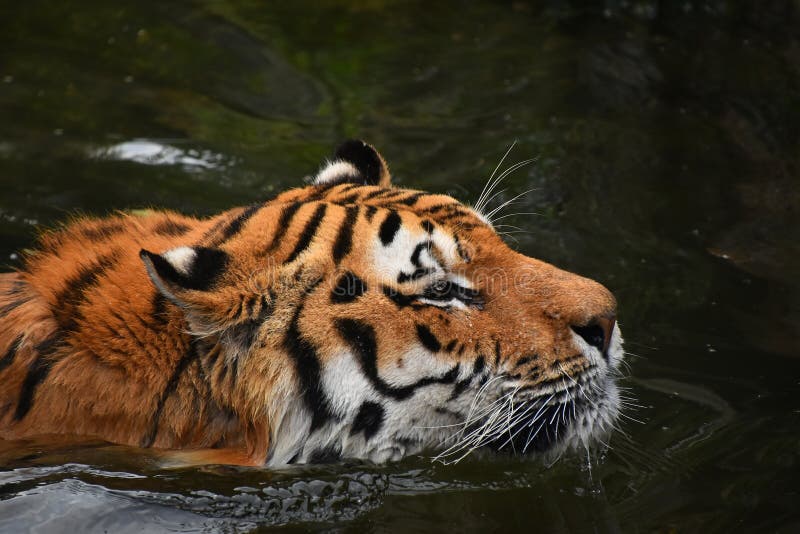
(184, 268)
(355, 162)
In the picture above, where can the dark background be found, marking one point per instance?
(668, 142)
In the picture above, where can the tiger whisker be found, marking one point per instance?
(521, 416)
(477, 437)
(489, 181)
(502, 176)
(507, 203)
(515, 215)
(626, 416)
(491, 408)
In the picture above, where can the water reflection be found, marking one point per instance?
(74, 506)
(150, 152)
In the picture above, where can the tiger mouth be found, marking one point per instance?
(527, 423)
(537, 429)
(559, 420)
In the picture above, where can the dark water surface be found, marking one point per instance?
(668, 144)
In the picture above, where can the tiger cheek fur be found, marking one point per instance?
(345, 319)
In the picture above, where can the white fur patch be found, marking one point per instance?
(181, 258)
(452, 303)
(389, 261)
(417, 364)
(615, 351)
(342, 377)
(447, 247)
(291, 434)
(333, 171)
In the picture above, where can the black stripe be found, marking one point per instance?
(371, 211)
(522, 361)
(361, 338)
(250, 307)
(428, 340)
(347, 187)
(460, 249)
(416, 275)
(387, 194)
(214, 229)
(480, 364)
(460, 387)
(349, 199)
(455, 213)
(307, 366)
(38, 370)
(74, 293)
(8, 308)
(344, 239)
(11, 353)
(308, 233)
(378, 192)
(320, 191)
(418, 250)
(427, 226)
(410, 200)
(235, 226)
(170, 228)
(287, 214)
(172, 384)
(389, 227)
(368, 420)
(450, 347)
(348, 288)
(400, 299)
(440, 207)
(244, 333)
(556, 381)
(239, 307)
(102, 231)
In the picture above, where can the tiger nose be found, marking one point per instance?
(597, 332)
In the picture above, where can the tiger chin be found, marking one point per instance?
(347, 319)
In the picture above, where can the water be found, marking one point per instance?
(668, 146)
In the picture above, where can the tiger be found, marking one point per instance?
(344, 319)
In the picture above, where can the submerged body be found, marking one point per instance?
(347, 318)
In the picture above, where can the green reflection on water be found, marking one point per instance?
(667, 138)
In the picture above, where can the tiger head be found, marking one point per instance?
(368, 321)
